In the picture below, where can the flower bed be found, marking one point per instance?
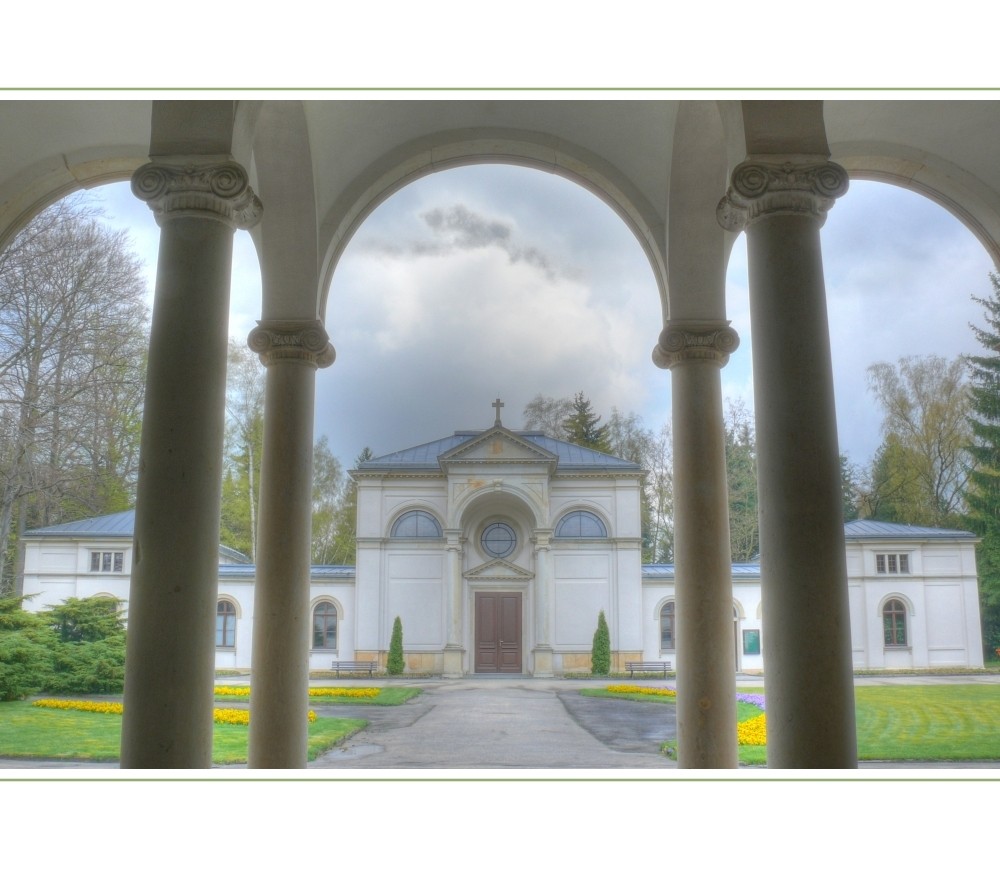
(219, 716)
(639, 689)
(753, 731)
(244, 691)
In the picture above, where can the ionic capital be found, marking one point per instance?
(704, 342)
(292, 341)
(762, 187)
(215, 190)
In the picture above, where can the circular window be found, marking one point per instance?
(498, 539)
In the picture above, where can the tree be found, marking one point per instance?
(395, 663)
(245, 382)
(983, 491)
(328, 502)
(547, 415)
(600, 652)
(343, 549)
(924, 460)
(741, 474)
(72, 344)
(581, 426)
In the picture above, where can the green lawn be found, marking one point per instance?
(903, 723)
(27, 731)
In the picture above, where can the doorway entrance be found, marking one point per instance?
(498, 632)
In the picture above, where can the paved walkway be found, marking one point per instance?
(484, 723)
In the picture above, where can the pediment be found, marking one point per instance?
(498, 569)
(498, 446)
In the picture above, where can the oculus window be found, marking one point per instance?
(498, 539)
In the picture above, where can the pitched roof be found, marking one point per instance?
(571, 456)
(113, 525)
(869, 529)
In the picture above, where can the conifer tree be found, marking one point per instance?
(581, 426)
(983, 490)
(600, 652)
(396, 663)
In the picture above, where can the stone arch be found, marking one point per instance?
(451, 148)
(502, 494)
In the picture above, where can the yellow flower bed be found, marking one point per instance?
(81, 706)
(640, 689)
(244, 691)
(753, 731)
(361, 693)
(232, 690)
(220, 716)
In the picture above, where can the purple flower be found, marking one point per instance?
(754, 699)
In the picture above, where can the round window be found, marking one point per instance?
(499, 539)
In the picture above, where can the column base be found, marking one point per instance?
(543, 662)
(452, 665)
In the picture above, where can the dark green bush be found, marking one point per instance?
(600, 653)
(395, 665)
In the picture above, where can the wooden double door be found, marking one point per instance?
(498, 632)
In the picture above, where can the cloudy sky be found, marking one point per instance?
(499, 281)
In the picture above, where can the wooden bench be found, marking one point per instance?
(634, 667)
(353, 667)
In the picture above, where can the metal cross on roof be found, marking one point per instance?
(498, 404)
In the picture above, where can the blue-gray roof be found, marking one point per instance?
(316, 571)
(571, 456)
(749, 570)
(113, 525)
(869, 529)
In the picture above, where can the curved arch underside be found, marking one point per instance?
(325, 165)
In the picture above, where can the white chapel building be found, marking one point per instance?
(497, 549)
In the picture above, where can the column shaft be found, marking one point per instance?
(170, 662)
(706, 671)
(279, 701)
(807, 639)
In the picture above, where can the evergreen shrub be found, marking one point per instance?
(396, 664)
(600, 653)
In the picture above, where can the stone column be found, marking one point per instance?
(782, 203)
(170, 665)
(453, 650)
(292, 350)
(706, 679)
(543, 590)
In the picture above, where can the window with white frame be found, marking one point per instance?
(894, 622)
(581, 523)
(667, 627)
(225, 624)
(416, 523)
(325, 626)
(107, 562)
(892, 562)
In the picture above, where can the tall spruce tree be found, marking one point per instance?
(983, 490)
(581, 426)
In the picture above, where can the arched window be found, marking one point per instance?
(225, 624)
(894, 622)
(324, 626)
(667, 627)
(416, 523)
(581, 523)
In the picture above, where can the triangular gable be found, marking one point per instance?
(495, 446)
(498, 569)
